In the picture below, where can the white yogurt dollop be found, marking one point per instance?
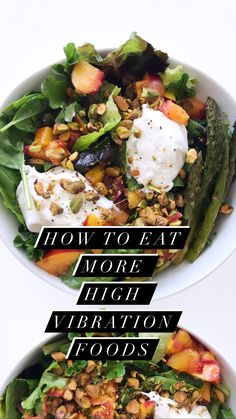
(157, 156)
(166, 408)
(41, 215)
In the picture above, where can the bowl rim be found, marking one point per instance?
(53, 280)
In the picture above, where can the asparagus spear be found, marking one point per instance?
(214, 153)
(193, 188)
(191, 196)
(232, 158)
(213, 208)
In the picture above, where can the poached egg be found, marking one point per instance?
(52, 192)
(167, 408)
(156, 155)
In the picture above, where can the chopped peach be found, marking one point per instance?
(205, 392)
(43, 136)
(174, 112)
(150, 81)
(105, 411)
(56, 262)
(147, 409)
(86, 78)
(134, 199)
(93, 220)
(187, 360)
(210, 372)
(181, 340)
(194, 107)
(95, 175)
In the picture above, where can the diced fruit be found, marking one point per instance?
(147, 409)
(189, 356)
(105, 411)
(205, 392)
(134, 199)
(93, 220)
(152, 82)
(86, 78)
(55, 392)
(55, 152)
(174, 112)
(155, 83)
(56, 262)
(194, 107)
(43, 136)
(187, 360)
(170, 95)
(180, 341)
(210, 372)
(95, 175)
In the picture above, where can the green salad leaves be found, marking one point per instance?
(110, 119)
(179, 82)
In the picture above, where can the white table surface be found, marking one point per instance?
(32, 34)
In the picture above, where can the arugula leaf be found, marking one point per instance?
(132, 183)
(75, 282)
(28, 110)
(115, 369)
(75, 368)
(135, 57)
(86, 52)
(47, 381)
(12, 108)
(26, 240)
(9, 180)
(168, 381)
(71, 54)
(55, 91)
(68, 112)
(110, 119)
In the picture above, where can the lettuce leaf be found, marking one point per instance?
(110, 119)
(161, 347)
(16, 391)
(47, 381)
(9, 180)
(134, 57)
(179, 82)
(86, 52)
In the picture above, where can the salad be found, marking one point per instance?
(182, 380)
(115, 140)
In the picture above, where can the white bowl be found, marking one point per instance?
(175, 278)
(228, 374)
